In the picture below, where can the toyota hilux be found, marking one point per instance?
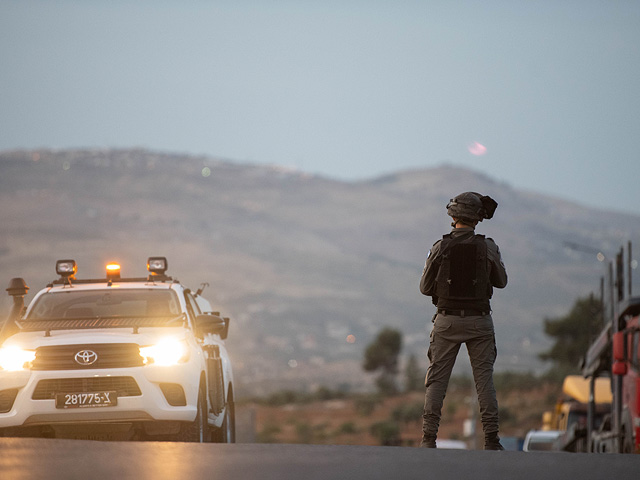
(115, 358)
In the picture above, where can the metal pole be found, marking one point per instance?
(615, 380)
(620, 275)
(603, 309)
(629, 267)
(611, 297)
(590, 411)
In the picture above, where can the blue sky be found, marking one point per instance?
(350, 89)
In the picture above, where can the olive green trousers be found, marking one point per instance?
(449, 332)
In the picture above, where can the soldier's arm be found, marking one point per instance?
(428, 280)
(498, 275)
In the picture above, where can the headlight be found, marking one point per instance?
(168, 351)
(13, 359)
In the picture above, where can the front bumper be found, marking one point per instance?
(158, 396)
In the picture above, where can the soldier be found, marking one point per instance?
(459, 276)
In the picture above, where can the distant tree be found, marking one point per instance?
(413, 375)
(573, 334)
(382, 355)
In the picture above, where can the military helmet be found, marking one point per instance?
(471, 207)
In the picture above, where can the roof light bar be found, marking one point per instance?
(157, 265)
(66, 268)
(113, 271)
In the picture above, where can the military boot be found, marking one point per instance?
(492, 442)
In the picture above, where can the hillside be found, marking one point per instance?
(298, 261)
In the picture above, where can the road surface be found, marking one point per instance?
(53, 459)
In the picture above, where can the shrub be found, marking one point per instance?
(269, 434)
(365, 405)
(347, 428)
(387, 433)
(509, 381)
(408, 413)
(304, 431)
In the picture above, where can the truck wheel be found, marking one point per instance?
(227, 432)
(198, 430)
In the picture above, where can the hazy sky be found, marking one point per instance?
(346, 88)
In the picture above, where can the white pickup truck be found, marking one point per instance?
(115, 358)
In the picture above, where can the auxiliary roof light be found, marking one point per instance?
(113, 271)
(66, 268)
(157, 265)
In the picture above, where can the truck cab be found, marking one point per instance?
(616, 354)
(626, 363)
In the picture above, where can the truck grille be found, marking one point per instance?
(47, 389)
(109, 355)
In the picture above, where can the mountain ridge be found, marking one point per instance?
(300, 261)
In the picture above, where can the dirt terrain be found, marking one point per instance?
(371, 420)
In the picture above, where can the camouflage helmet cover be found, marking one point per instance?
(471, 206)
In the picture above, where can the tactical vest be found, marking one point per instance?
(463, 272)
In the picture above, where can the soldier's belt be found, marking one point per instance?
(462, 313)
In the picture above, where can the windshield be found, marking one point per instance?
(103, 304)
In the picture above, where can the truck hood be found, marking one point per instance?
(145, 336)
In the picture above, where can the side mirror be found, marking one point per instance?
(206, 324)
(619, 351)
(225, 334)
(619, 366)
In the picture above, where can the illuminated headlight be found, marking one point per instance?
(13, 359)
(168, 351)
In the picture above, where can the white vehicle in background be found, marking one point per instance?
(451, 444)
(115, 358)
(541, 440)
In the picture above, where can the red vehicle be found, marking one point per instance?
(626, 365)
(616, 353)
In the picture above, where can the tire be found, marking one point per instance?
(197, 431)
(227, 432)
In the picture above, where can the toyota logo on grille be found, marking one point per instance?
(86, 357)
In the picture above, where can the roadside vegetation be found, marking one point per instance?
(393, 414)
(334, 417)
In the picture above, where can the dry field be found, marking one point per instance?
(368, 420)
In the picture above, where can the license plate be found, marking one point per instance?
(90, 399)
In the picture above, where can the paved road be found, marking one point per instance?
(27, 458)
